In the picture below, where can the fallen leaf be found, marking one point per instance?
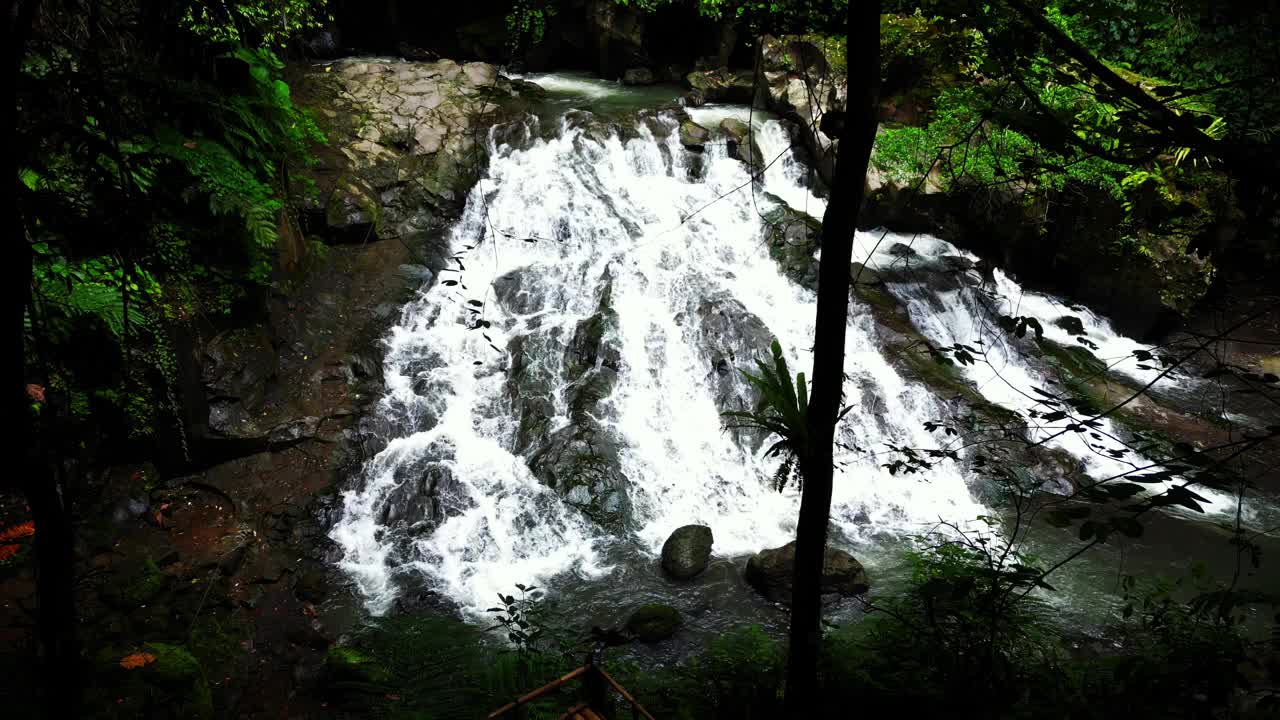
(35, 392)
(136, 660)
(308, 609)
(17, 532)
(389, 696)
(8, 551)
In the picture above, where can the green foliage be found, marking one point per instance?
(527, 21)
(783, 410)
(265, 23)
(740, 675)
(163, 209)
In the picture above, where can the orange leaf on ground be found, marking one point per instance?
(136, 660)
(17, 532)
(8, 551)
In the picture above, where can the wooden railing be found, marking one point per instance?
(597, 685)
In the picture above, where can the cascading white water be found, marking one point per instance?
(634, 224)
(1006, 374)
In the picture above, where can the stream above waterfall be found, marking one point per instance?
(553, 397)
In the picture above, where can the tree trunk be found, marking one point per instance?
(55, 588)
(54, 553)
(817, 466)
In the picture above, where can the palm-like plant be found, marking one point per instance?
(782, 411)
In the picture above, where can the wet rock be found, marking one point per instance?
(1071, 324)
(694, 98)
(902, 250)
(426, 491)
(581, 463)
(654, 623)
(770, 573)
(742, 144)
(638, 76)
(730, 338)
(687, 551)
(514, 293)
(693, 135)
(793, 238)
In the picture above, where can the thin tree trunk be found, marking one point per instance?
(862, 58)
(55, 570)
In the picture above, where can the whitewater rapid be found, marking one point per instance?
(632, 213)
(576, 218)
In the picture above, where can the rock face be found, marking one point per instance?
(770, 573)
(687, 552)
(654, 623)
(580, 460)
(730, 337)
(403, 138)
(800, 84)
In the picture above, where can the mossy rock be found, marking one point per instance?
(693, 135)
(654, 623)
(143, 587)
(179, 675)
(346, 664)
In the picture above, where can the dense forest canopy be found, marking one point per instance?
(213, 220)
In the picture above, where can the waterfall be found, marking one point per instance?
(633, 238)
(948, 309)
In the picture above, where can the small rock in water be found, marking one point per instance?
(654, 623)
(1071, 324)
(901, 250)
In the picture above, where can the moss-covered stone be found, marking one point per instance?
(654, 623)
(180, 676)
(693, 135)
(345, 664)
(143, 588)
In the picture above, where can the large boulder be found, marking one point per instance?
(793, 238)
(687, 552)
(693, 135)
(770, 573)
(654, 623)
(581, 462)
(742, 144)
(723, 85)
